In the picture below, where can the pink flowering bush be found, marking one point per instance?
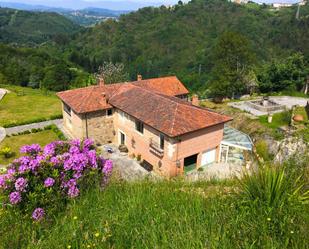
(45, 179)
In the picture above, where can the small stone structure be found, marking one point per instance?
(265, 105)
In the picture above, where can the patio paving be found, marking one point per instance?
(287, 101)
(126, 168)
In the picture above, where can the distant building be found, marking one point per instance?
(240, 1)
(282, 5)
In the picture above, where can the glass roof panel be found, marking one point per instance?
(236, 138)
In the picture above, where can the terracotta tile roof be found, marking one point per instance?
(171, 85)
(90, 98)
(86, 99)
(169, 115)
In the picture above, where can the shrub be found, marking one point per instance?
(139, 157)
(45, 179)
(6, 152)
(262, 150)
(272, 187)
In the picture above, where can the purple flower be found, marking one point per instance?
(33, 149)
(38, 214)
(11, 172)
(21, 184)
(15, 198)
(108, 167)
(3, 184)
(49, 149)
(77, 175)
(49, 182)
(73, 192)
(88, 143)
(92, 158)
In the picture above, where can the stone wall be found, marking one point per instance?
(100, 127)
(74, 124)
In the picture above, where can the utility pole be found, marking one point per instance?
(298, 11)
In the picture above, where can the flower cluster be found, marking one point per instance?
(52, 174)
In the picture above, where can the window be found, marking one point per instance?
(109, 112)
(139, 126)
(161, 141)
(67, 109)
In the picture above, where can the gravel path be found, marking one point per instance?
(2, 134)
(3, 92)
(21, 128)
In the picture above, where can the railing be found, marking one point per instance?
(154, 148)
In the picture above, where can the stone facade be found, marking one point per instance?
(100, 127)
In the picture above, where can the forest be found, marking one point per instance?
(217, 48)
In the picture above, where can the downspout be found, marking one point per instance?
(86, 125)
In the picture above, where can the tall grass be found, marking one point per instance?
(169, 214)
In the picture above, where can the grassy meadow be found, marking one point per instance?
(262, 211)
(15, 142)
(26, 105)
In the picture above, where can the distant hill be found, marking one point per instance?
(85, 17)
(180, 39)
(91, 16)
(82, 4)
(31, 28)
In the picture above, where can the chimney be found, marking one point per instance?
(139, 77)
(103, 99)
(195, 101)
(101, 81)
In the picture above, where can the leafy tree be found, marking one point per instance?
(233, 60)
(57, 77)
(288, 74)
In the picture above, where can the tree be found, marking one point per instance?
(288, 74)
(112, 73)
(233, 60)
(57, 78)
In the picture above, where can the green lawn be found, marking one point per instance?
(279, 120)
(25, 105)
(164, 214)
(15, 142)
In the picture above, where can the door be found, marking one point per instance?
(208, 157)
(122, 138)
(190, 163)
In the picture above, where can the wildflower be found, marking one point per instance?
(291, 232)
(68, 246)
(15, 198)
(49, 182)
(21, 184)
(97, 234)
(88, 246)
(75, 218)
(268, 219)
(38, 214)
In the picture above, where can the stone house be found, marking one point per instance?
(152, 117)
